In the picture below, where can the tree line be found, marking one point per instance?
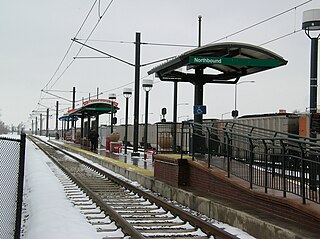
(3, 128)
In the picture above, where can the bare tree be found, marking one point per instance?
(3, 128)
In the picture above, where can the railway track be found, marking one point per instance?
(115, 207)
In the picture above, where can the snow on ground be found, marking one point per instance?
(47, 211)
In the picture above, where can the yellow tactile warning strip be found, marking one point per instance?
(114, 161)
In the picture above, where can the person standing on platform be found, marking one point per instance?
(93, 136)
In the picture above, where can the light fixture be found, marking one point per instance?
(112, 96)
(311, 20)
(147, 85)
(127, 92)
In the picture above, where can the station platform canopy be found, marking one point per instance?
(229, 61)
(94, 107)
(66, 117)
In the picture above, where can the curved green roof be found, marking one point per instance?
(92, 108)
(228, 60)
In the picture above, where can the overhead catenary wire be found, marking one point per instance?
(59, 97)
(263, 21)
(142, 43)
(280, 37)
(117, 58)
(175, 45)
(69, 48)
(67, 52)
(94, 28)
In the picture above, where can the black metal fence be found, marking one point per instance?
(169, 137)
(12, 157)
(266, 158)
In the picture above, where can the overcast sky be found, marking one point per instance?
(35, 36)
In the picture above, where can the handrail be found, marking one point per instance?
(268, 130)
(226, 130)
(293, 162)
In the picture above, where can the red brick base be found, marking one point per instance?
(214, 181)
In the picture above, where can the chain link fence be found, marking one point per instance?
(12, 157)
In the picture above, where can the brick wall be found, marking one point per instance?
(173, 171)
(214, 181)
(185, 172)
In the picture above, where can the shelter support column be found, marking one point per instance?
(97, 123)
(175, 113)
(313, 81)
(81, 129)
(88, 128)
(199, 142)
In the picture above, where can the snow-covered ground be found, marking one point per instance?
(48, 213)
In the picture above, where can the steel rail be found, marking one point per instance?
(127, 228)
(207, 227)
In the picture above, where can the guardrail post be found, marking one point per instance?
(193, 139)
(283, 173)
(228, 154)
(273, 159)
(312, 171)
(181, 150)
(251, 159)
(302, 176)
(266, 166)
(209, 147)
(20, 185)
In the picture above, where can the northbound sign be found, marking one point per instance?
(203, 60)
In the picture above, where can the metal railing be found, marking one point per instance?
(268, 159)
(12, 158)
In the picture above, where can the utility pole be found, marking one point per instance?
(47, 123)
(57, 119)
(40, 124)
(136, 96)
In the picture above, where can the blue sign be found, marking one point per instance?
(199, 109)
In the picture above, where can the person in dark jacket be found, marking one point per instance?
(93, 136)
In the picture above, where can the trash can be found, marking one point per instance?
(108, 143)
(115, 147)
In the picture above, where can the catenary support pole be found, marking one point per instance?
(175, 110)
(47, 123)
(136, 95)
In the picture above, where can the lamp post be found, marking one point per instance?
(147, 86)
(112, 97)
(311, 23)
(127, 93)
(235, 112)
